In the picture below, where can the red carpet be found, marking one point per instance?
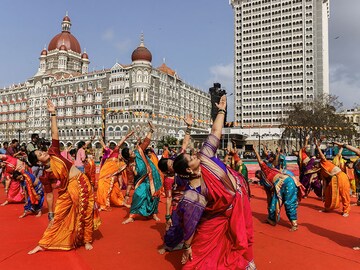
(323, 241)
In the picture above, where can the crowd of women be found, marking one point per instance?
(208, 212)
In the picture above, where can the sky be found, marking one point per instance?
(193, 37)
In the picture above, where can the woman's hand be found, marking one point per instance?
(151, 125)
(188, 120)
(50, 106)
(187, 255)
(339, 144)
(222, 103)
(129, 134)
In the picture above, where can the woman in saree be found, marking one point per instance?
(13, 189)
(236, 163)
(309, 172)
(110, 178)
(281, 189)
(34, 192)
(147, 181)
(173, 184)
(218, 230)
(73, 222)
(337, 185)
(356, 166)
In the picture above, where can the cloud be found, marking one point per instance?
(123, 45)
(108, 35)
(344, 84)
(224, 74)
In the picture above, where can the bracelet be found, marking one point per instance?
(50, 216)
(151, 130)
(53, 114)
(167, 217)
(344, 145)
(221, 110)
(127, 195)
(188, 130)
(186, 246)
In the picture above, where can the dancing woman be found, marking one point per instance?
(174, 185)
(309, 173)
(73, 222)
(221, 236)
(280, 189)
(110, 182)
(34, 193)
(13, 189)
(146, 179)
(337, 185)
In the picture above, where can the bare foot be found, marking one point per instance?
(162, 250)
(4, 203)
(356, 248)
(294, 228)
(155, 217)
(88, 246)
(270, 222)
(38, 214)
(129, 220)
(37, 249)
(126, 205)
(23, 215)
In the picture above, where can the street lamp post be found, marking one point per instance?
(103, 118)
(19, 131)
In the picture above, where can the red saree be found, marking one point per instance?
(224, 236)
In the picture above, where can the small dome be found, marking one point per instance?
(63, 48)
(141, 52)
(44, 52)
(84, 56)
(66, 19)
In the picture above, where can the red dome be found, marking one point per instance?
(84, 56)
(63, 48)
(141, 53)
(44, 52)
(66, 19)
(67, 39)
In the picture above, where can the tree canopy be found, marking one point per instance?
(320, 117)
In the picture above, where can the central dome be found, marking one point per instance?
(65, 38)
(141, 52)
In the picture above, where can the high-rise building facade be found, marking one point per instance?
(280, 57)
(131, 94)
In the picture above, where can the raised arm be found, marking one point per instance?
(189, 122)
(349, 147)
(124, 138)
(54, 128)
(306, 141)
(103, 145)
(257, 155)
(148, 137)
(266, 151)
(219, 120)
(321, 154)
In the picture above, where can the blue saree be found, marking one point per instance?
(147, 185)
(34, 202)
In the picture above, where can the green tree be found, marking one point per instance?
(320, 117)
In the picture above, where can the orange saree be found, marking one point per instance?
(109, 190)
(74, 221)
